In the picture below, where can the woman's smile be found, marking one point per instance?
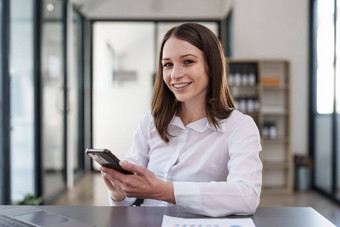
(179, 86)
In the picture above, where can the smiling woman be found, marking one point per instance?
(193, 150)
(200, 42)
(185, 73)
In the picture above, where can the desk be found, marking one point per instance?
(152, 216)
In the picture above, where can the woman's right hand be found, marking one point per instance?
(113, 185)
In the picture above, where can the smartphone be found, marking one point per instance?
(105, 158)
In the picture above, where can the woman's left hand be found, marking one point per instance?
(143, 183)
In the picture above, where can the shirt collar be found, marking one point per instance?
(200, 125)
(176, 121)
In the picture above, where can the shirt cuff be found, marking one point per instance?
(125, 202)
(188, 196)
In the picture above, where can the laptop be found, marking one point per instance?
(33, 216)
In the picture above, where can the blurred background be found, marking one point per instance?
(79, 73)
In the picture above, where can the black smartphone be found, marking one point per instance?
(105, 158)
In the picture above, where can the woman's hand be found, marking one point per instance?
(142, 184)
(113, 185)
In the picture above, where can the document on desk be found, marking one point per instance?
(169, 221)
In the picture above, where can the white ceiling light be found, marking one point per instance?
(50, 7)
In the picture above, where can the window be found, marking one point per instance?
(325, 57)
(325, 97)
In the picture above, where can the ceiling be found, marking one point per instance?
(152, 9)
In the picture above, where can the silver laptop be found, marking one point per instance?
(37, 217)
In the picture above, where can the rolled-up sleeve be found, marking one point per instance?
(126, 202)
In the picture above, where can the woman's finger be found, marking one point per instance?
(140, 170)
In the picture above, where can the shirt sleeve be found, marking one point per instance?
(126, 202)
(137, 154)
(240, 193)
(139, 151)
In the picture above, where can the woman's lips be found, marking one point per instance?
(180, 86)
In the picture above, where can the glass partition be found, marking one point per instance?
(76, 105)
(53, 98)
(21, 98)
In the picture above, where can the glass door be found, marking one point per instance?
(53, 98)
(21, 66)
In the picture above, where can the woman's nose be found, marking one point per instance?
(177, 72)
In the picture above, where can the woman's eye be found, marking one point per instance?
(188, 62)
(165, 65)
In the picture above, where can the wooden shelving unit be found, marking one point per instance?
(261, 89)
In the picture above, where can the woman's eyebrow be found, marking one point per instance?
(186, 55)
(183, 56)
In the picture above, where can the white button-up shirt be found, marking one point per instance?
(215, 172)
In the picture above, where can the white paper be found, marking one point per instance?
(169, 221)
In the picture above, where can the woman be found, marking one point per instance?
(193, 150)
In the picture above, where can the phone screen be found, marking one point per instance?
(105, 158)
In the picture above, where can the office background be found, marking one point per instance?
(77, 74)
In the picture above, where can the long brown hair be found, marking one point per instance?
(219, 102)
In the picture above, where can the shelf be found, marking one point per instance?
(251, 113)
(275, 165)
(285, 86)
(276, 190)
(273, 113)
(273, 109)
(245, 87)
(276, 140)
(272, 99)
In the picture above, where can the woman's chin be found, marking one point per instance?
(181, 98)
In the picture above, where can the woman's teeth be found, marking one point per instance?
(181, 85)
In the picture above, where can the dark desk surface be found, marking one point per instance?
(152, 216)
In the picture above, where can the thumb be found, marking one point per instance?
(132, 167)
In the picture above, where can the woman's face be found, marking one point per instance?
(185, 71)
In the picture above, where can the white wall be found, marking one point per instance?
(227, 6)
(119, 105)
(175, 9)
(277, 29)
